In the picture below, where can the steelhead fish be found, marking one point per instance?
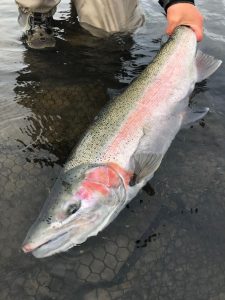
(123, 148)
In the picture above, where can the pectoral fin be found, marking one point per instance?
(151, 148)
(144, 164)
(206, 65)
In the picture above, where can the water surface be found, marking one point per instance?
(169, 245)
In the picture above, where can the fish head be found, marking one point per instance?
(82, 202)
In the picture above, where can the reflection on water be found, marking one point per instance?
(169, 245)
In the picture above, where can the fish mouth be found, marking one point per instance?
(74, 235)
(47, 246)
(57, 242)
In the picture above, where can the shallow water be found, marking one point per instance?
(169, 245)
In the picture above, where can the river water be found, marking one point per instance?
(167, 245)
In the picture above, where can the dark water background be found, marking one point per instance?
(170, 245)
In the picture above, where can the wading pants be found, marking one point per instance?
(99, 17)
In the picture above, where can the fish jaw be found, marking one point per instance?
(56, 241)
(61, 240)
(44, 249)
(102, 194)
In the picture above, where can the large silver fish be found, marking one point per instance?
(123, 148)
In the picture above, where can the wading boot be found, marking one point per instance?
(40, 33)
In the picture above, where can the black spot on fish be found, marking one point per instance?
(66, 185)
(49, 220)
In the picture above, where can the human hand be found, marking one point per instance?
(185, 14)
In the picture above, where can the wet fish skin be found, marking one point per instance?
(130, 136)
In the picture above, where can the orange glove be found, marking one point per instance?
(185, 14)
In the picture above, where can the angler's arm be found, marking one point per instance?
(183, 12)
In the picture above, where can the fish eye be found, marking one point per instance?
(73, 208)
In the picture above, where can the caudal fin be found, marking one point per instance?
(206, 65)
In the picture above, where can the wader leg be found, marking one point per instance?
(35, 16)
(105, 17)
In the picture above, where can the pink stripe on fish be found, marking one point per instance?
(149, 103)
